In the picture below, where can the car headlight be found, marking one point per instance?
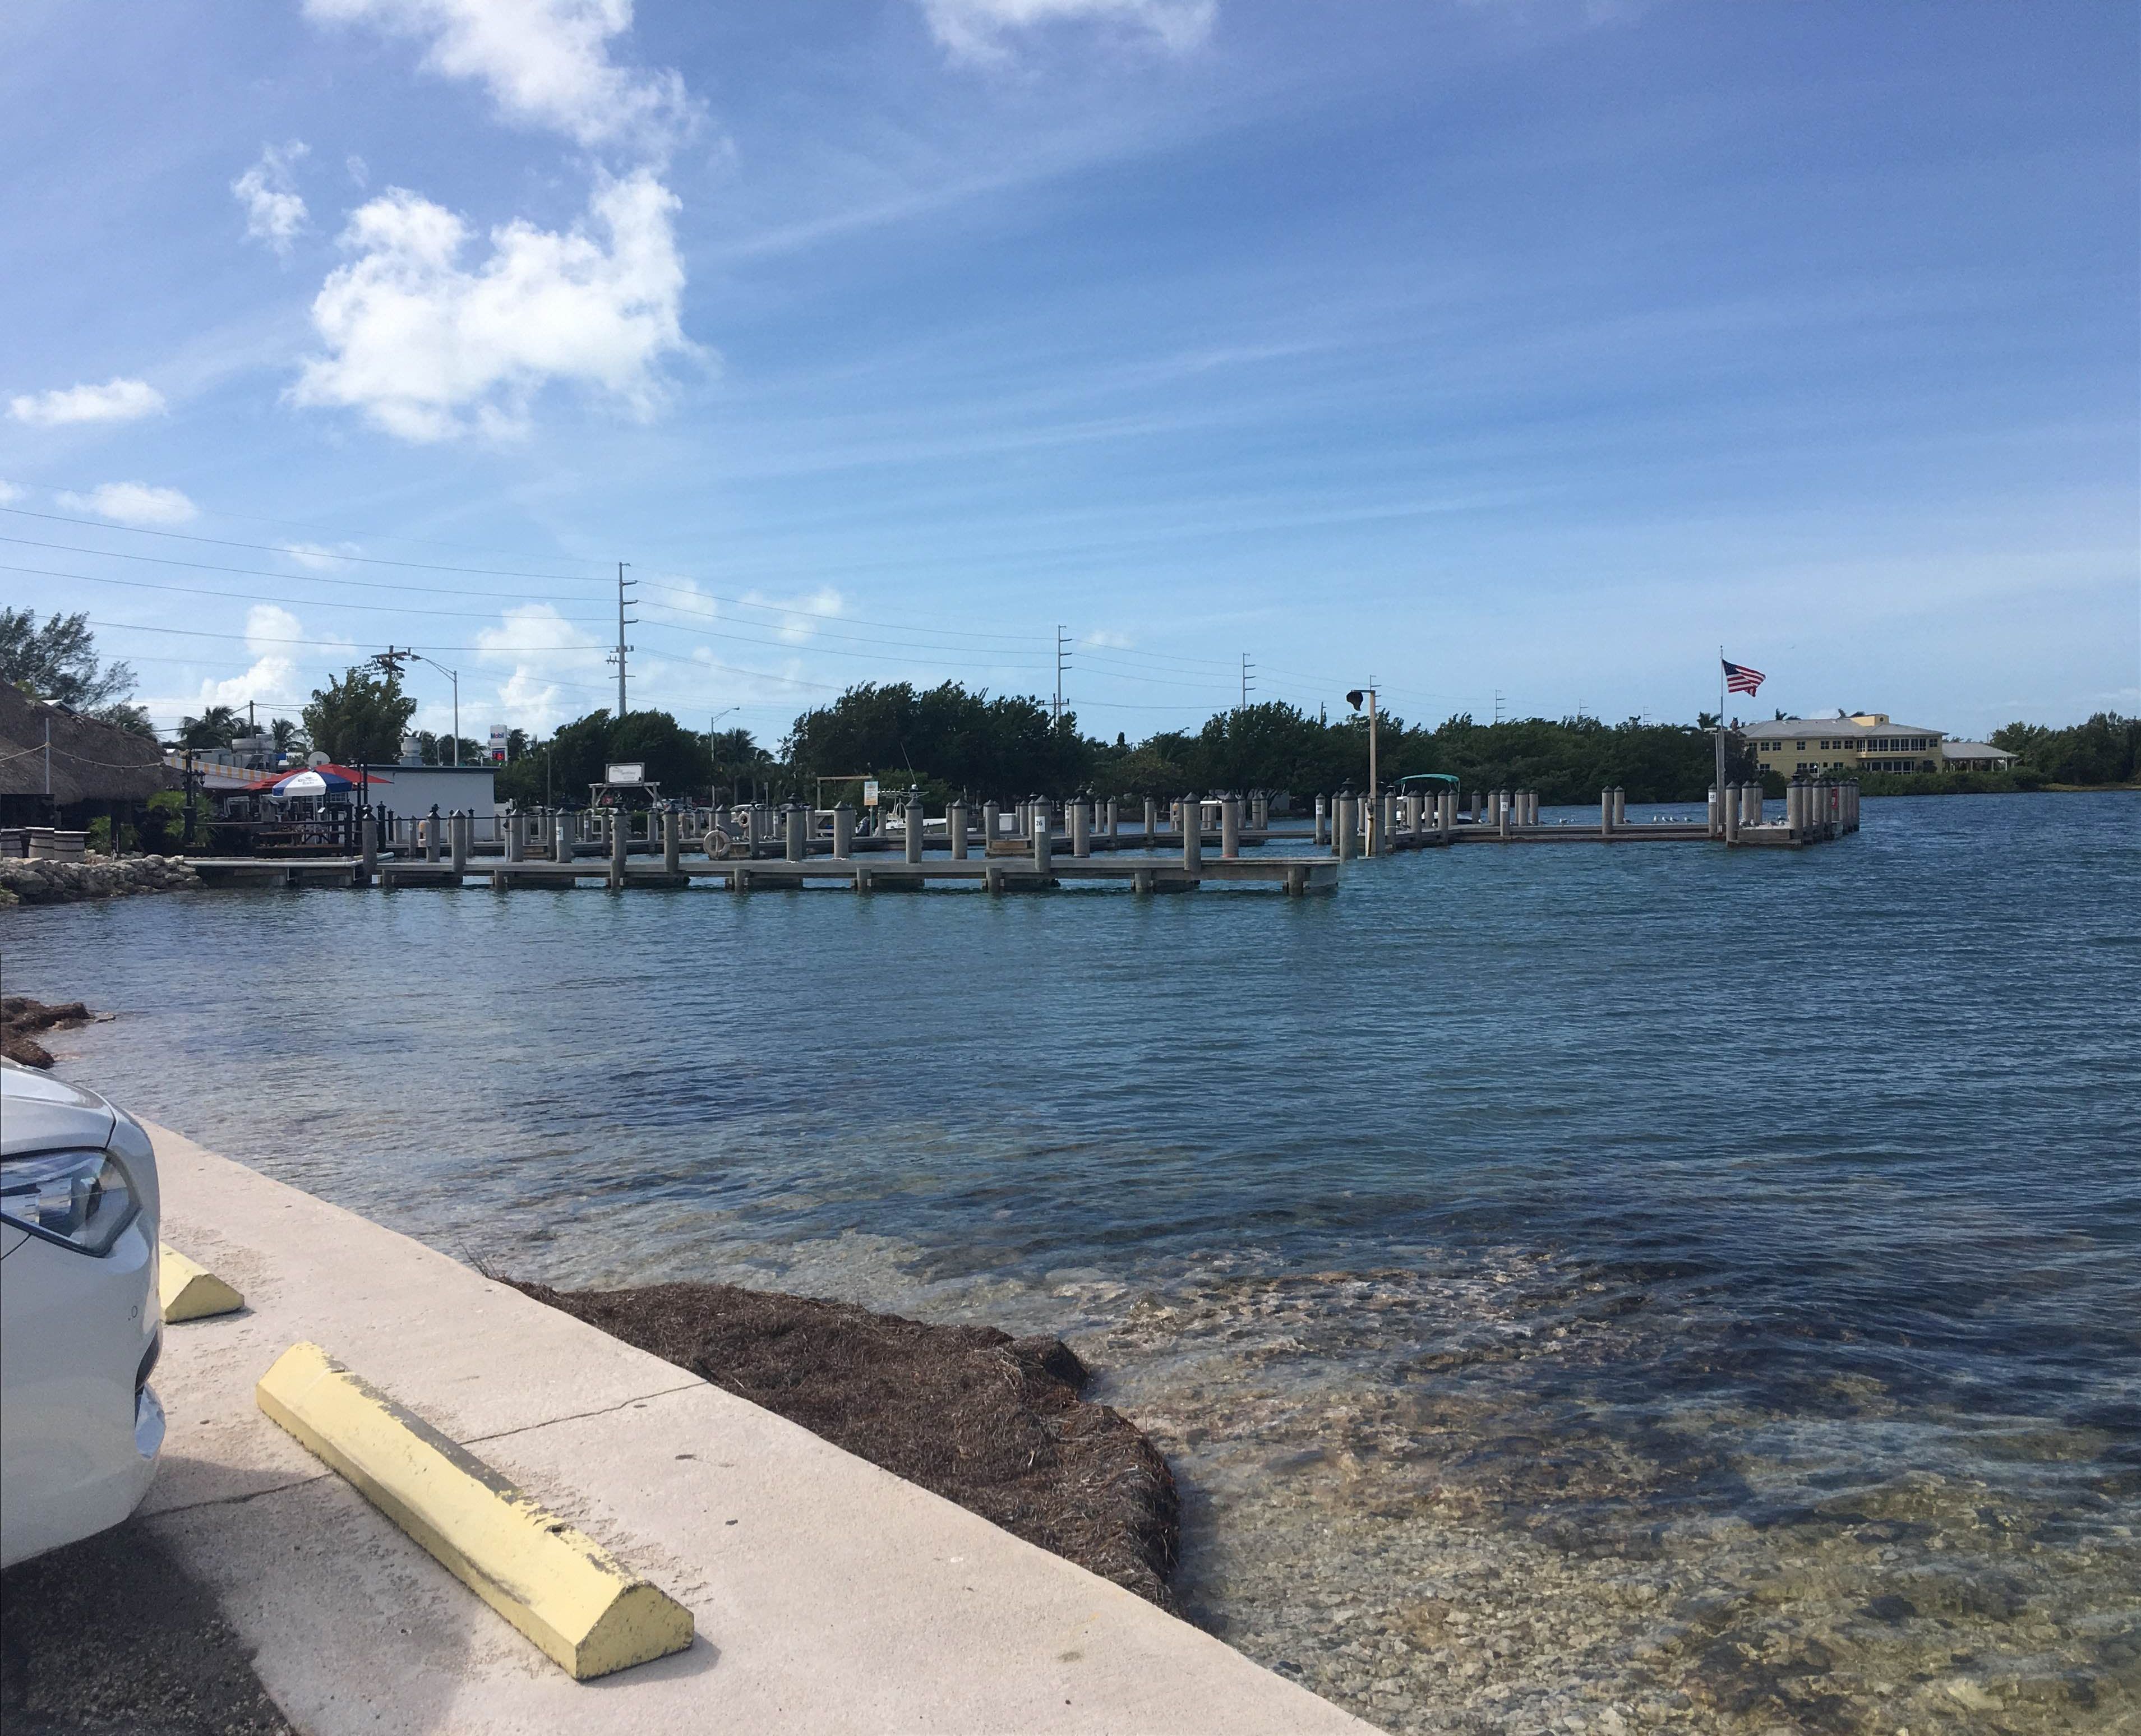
(81, 1199)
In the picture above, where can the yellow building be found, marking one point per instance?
(1866, 741)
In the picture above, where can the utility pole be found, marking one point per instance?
(1062, 662)
(617, 656)
(1498, 704)
(1248, 679)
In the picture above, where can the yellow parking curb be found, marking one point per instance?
(555, 1584)
(188, 1292)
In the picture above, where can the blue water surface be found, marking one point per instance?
(1805, 1125)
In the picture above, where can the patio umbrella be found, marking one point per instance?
(309, 783)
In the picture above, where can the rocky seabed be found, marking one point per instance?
(39, 880)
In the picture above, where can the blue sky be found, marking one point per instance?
(1504, 351)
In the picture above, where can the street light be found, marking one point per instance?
(455, 676)
(1375, 810)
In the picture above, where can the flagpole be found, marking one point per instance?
(1718, 812)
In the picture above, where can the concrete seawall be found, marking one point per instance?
(828, 1593)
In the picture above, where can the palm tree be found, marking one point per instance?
(289, 738)
(215, 727)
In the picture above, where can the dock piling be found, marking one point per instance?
(1230, 828)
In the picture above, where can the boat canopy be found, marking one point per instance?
(1429, 777)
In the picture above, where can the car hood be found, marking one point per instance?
(39, 1113)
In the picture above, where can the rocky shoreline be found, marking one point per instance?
(20, 1017)
(994, 1422)
(45, 880)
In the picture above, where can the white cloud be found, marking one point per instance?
(801, 616)
(978, 30)
(116, 401)
(360, 171)
(421, 344)
(319, 558)
(270, 632)
(1106, 640)
(133, 503)
(274, 211)
(545, 62)
(534, 634)
(269, 626)
(9, 493)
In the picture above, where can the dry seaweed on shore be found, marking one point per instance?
(993, 1422)
(20, 1017)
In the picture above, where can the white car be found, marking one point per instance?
(80, 1326)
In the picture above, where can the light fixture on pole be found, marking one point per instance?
(455, 676)
(1373, 811)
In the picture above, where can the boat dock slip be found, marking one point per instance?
(823, 1595)
(1031, 848)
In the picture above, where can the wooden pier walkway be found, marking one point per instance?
(681, 848)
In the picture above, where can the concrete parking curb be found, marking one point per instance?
(557, 1585)
(187, 1290)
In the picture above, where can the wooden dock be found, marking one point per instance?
(1296, 877)
(681, 848)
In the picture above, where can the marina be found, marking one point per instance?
(1036, 846)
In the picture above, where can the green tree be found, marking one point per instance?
(58, 660)
(215, 727)
(359, 719)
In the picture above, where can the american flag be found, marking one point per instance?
(1741, 679)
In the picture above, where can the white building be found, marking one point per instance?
(412, 791)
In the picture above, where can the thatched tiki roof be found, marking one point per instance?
(91, 761)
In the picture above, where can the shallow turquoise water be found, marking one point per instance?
(1611, 1240)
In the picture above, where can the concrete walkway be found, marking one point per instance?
(829, 1595)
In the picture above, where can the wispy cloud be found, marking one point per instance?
(320, 559)
(798, 619)
(982, 31)
(545, 62)
(428, 348)
(274, 212)
(115, 401)
(133, 503)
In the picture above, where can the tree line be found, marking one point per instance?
(949, 740)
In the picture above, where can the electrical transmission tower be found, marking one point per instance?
(1062, 663)
(1248, 680)
(617, 656)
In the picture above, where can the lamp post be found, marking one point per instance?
(711, 767)
(455, 676)
(1372, 812)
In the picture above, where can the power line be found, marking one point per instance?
(296, 554)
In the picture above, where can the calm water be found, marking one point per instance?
(1577, 1288)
